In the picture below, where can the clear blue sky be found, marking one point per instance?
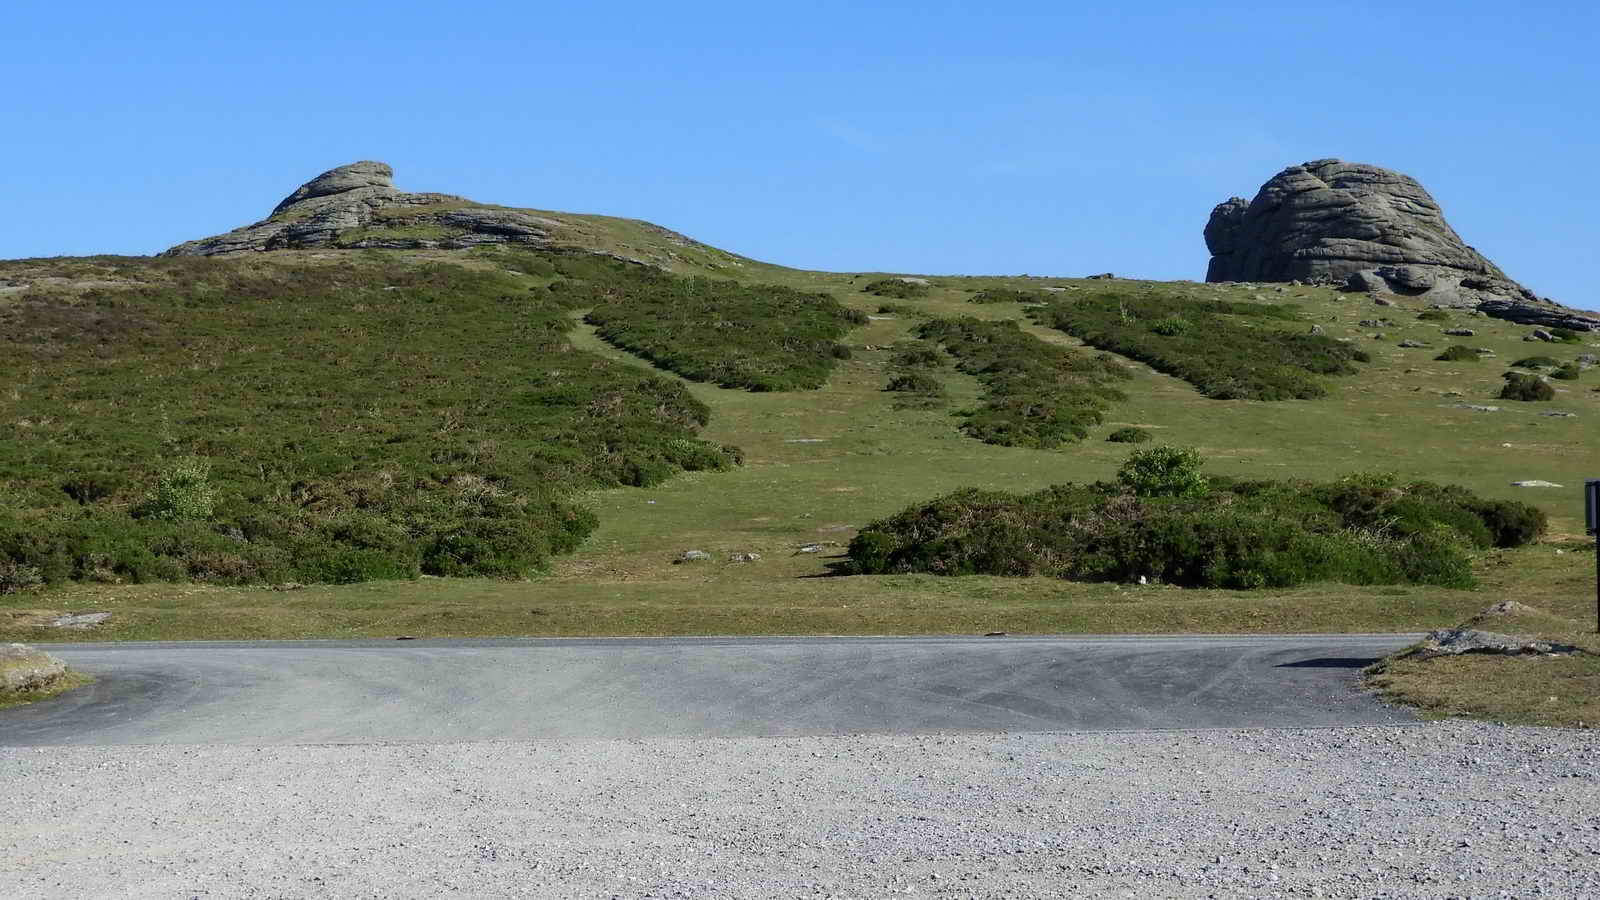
(1003, 137)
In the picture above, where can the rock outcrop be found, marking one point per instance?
(357, 206)
(1366, 229)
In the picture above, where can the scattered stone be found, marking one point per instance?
(1484, 351)
(1560, 415)
(1409, 342)
(1535, 483)
(816, 547)
(1317, 330)
(1459, 332)
(27, 669)
(810, 440)
(692, 556)
(80, 621)
(743, 557)
(1475, 407)
(1587, 361)
(1375, 323)
(295, 585)
(1539, 334)
(1383, 301)
(1456, 641)
(1507, 608)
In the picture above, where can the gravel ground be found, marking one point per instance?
(1452, 810)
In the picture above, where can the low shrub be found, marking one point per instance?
(1433, 315)
(758, 337)
(1227, 350)
(1037, 395)
(1458, 353)
(1008, 295)
(1242, 535)
(1129, 435)
(916, 383)
(1567, 372)
(1566, 335)
(1519, 386)
(896, 288)
(1164, 471)
(1536, 362)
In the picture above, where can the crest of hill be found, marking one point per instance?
(357, 206)
(1370, 229)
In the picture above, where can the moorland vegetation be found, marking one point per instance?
(760, 337)
(1164, 521)
(1037, 395)
(1229, 350)
(321, 421)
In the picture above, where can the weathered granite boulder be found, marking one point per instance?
(24, 669)
(357, 206)
(1366, 229)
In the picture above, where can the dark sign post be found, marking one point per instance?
(1591, 518)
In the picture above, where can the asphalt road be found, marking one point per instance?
(315, 692)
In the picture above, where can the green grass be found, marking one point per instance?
(1227, 349)
(759, 337)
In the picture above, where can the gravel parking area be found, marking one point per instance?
(1451, 810)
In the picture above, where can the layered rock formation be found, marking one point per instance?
(358, 206)
(1366, 229)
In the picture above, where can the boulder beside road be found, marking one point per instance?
(24, 669)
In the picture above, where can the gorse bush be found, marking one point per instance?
(1164, 472)
(1128, 435)
(1241, 535)
(1458, 353)
(1037, 395)
(895, 288)
(1227, 350)
(1567, 372)
(364, 416)
(760, 337)
(182, 493)
(1520, 386)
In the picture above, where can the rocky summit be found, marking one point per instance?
(1368, 229)
(357, 206)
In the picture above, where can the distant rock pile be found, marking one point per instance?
(1366, 229)
(357, 206)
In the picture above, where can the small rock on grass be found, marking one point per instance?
(1456, 641)
(692, 556)
(1534, 482)
(80, 621)
(743, 557)
(26, 669)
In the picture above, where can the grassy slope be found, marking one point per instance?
(863, 459)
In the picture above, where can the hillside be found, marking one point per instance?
(183, 435)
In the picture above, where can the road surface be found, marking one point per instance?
(313, 692)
